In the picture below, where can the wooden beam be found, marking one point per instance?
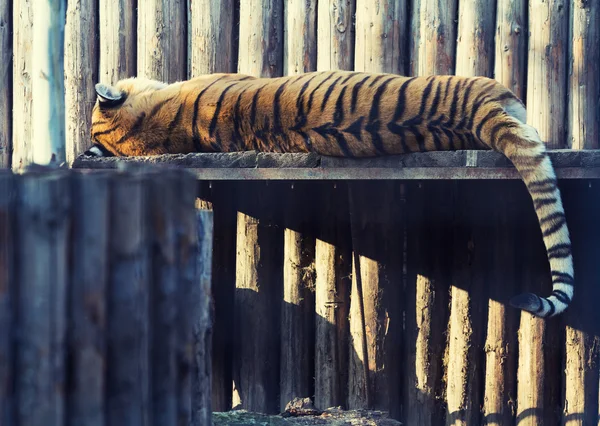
(299, 37)
(511, 45)
(335, 35)
(6, 64)
(117, 40)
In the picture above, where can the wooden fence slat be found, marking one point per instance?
(117, 22)
(41, 257)
(81, 74)
(22, 154)
(335, 34)
(433, 42)
(584, 68)
(511, 44)
(6, 70)
(7, 297)
(300, 36)
(162, 40)
(212, 37)
(127, 382)
(380, 36)
(87, 300)
(475, 40)
(547, 70)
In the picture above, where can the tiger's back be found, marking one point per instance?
(342, 113)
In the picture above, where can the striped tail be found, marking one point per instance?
(522, 145)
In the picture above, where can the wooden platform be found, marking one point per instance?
(569, 164)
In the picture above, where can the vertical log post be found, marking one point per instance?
(161, 40)
(511, 45)
(332, 297)
(48, 82)
(547, 70)
(475, 40)
(87, 299)
(300, 37)
(335, 35)
(81, 74)
(6, 65)
(117, 40)
(584, 68)
(433, 40)
(127, 381)
(41, 272)
(212, 37)
(22, 154)
(7, 296)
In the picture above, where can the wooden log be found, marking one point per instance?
(547, 70)
(87, 300)
(162, 40)
(380, 36)
(7, 296)
(584, 68)
(127, 376)
(297, 363)
(582, 354)
(43, 223)
(6, 70)
(429, 271)
(332, 298)
(511, 45)
(261, 38)
(300, 36)
(22, 98)
(213, 38)
(81, 74)
(117, 40)
(163, 305)
(475, 40)
(433, 41)
(201, 383)
(335, 35)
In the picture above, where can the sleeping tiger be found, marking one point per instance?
(341, 113)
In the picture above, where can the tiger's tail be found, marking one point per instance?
(509, 134)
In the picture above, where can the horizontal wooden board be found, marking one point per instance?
(250, 165)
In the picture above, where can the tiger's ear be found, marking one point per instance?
(109, 96)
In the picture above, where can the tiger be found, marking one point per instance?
(343, 114)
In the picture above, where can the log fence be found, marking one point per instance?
(104, 298)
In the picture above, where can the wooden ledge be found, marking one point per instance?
(569, 164)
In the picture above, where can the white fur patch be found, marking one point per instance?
(96, 151)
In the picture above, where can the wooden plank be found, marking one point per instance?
(547, 70)
(213, 37)
(380, 36)
(6, 70)
(332, 297)
(7, 297)
(297, 367)
(81, 74)
(433, 41)
(261, 38)
(22, 98)
(300, 36)
(475, 40)
(335, 35)
(584, 68)
(118, 54)
(43, 223)
(162, 40)
(128, 379)
(511, 44)
(87, 300)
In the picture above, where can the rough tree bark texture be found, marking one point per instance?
(22, 97)
(300, 36)
(212, 38)
(6, 70)
(162, 39)
(118, 37)
(433, 37)
(584, 85)
(380, 36)
(81, 74)
(335, 35)
(547, 70)
(511, 45)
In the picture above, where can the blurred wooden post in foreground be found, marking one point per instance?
(6, 56)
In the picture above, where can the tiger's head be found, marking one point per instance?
(111, 103)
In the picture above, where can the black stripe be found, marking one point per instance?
(551, 217)
(312, 94)
(450, 137)
(562, 277)
(491, 114)
(338, 115)
(475, 108)
(195, 132)
(328, 93)
(328, 130)
(401, 132)
(552, 308)
(355, 128)
(560, 222)
(451, 118)
(543, 202)
(277, 129)
(425, 95)
(254, 103)
(401, 103)
(436, 137)
(352, 74)
(504, 96)
(157, 108)
(376, 79)
(436, 100)
(559, 251)
(237, 119)
(172, 124)
(562, 296)
(374, 124)
(133, 130)
(466, 97)
(448, 82)
(355, 90)
(213, 121)
(104, 132)
(301, 117)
